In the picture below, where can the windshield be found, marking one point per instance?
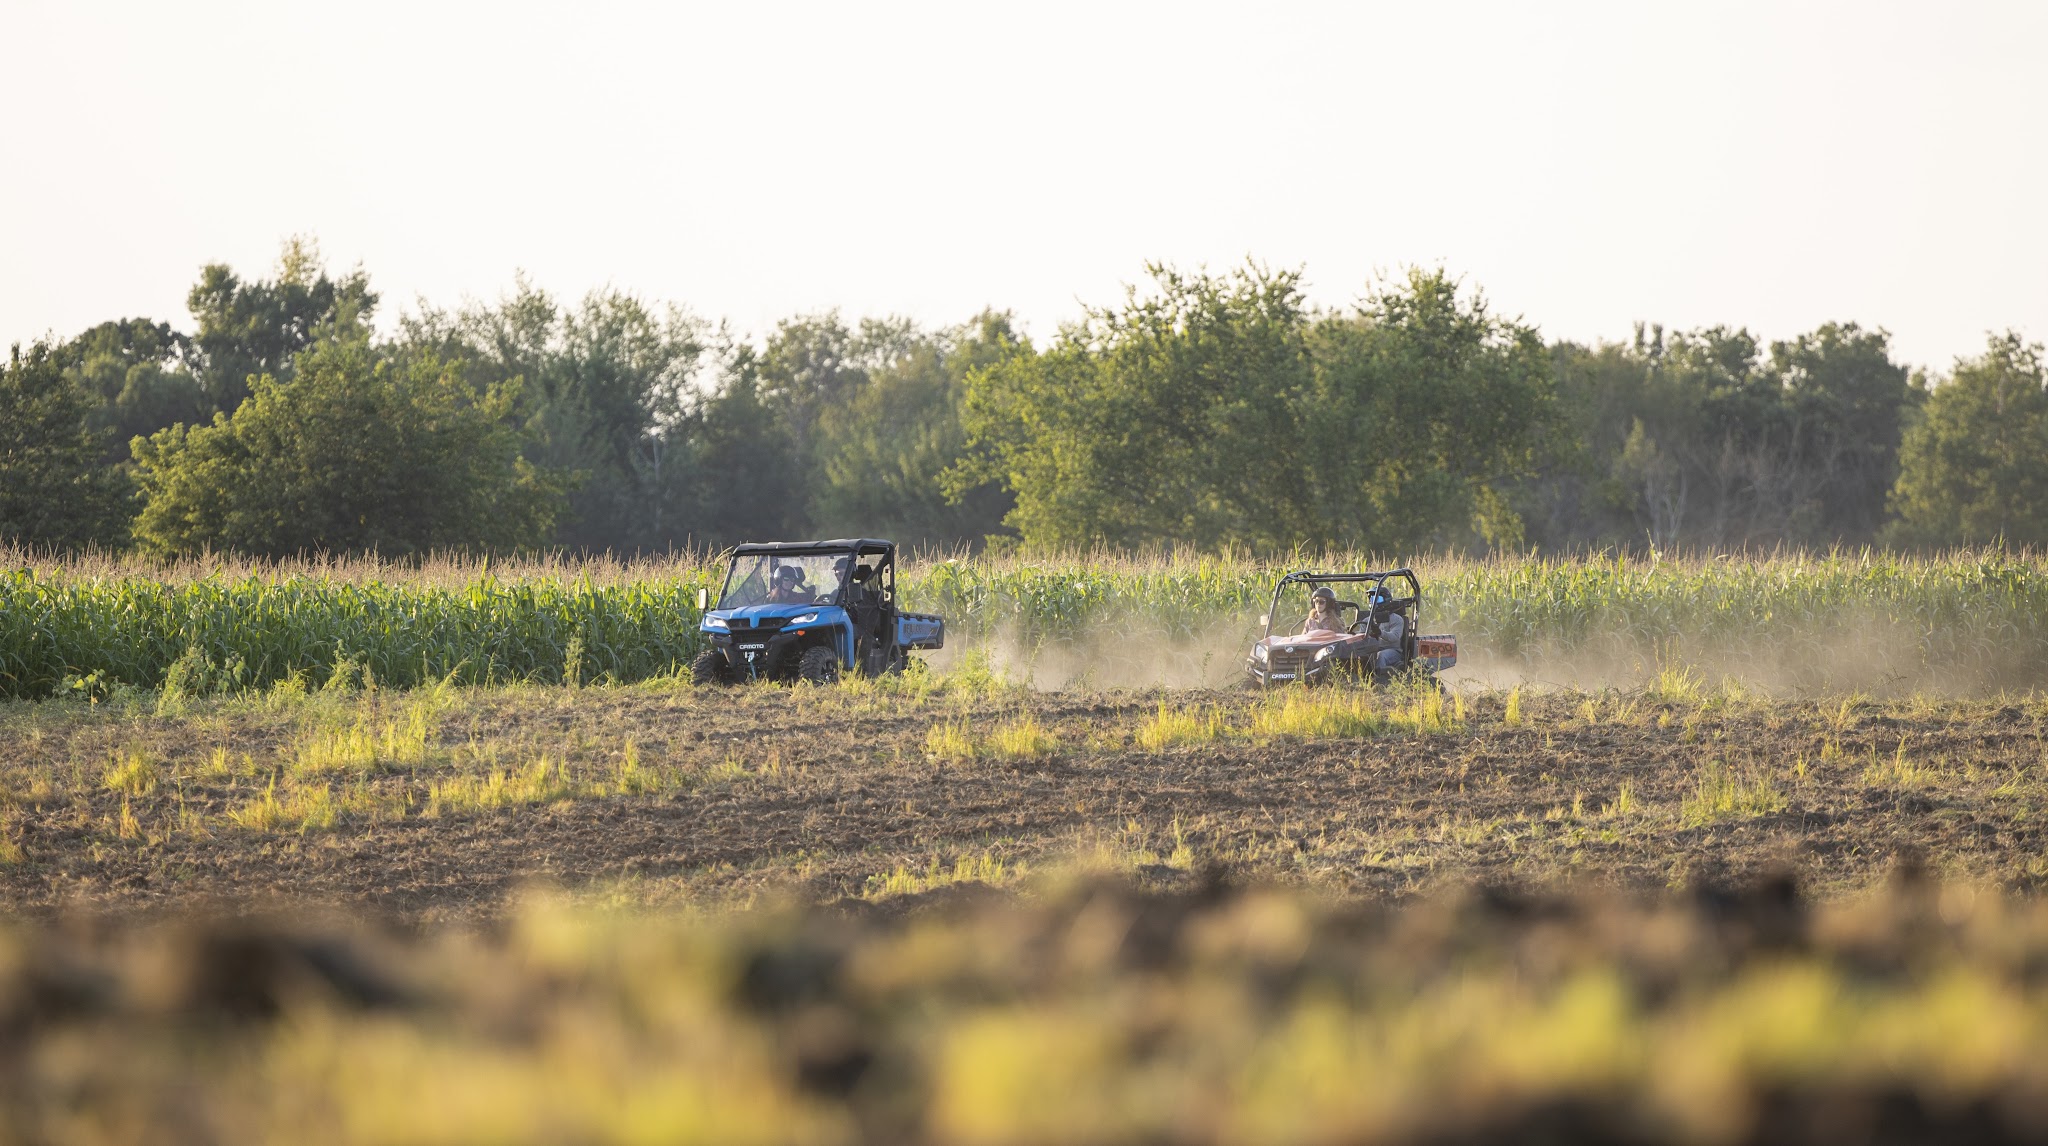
(771, 579)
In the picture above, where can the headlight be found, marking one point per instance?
(806, 619)
(711, 622)
(1327, 650)
(1261, 652)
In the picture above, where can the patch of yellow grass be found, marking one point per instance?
(1623, 804)
(1424, 712)
(985, 868)
(314, 807)
(128, 827)
(545, 780)
(727, 771)
(130, 774)
(1173, 726)
(263, 814)
(949, 741)
(1020, 739)
(1320, 714)
(1317, 715)
(1675, 686)
(361, 748)
(1896, 771)
(637, 779)
(1720, 793)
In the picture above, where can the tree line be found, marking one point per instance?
(1202, 409)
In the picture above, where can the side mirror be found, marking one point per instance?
(703, 598)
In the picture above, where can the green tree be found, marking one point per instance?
(607, 385)
(1601, 471)
(1700, 440)
(813, 362)
(54, 491)
(248, 329)
(1218, 410)
(883, 452)
(739, 464)
(353, 453)
(1974, 468)
(1155, 423)
(137, 369)
(1721, 417)
(1425, 407)
(1848, 403)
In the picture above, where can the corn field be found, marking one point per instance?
(216, 634)
(217, 626)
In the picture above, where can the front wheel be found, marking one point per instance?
(818, 665)
(708, 668)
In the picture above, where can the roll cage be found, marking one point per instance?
(882, 580)
(1410, 604)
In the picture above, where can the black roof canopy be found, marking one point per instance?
(1313, 578)
(800, 548)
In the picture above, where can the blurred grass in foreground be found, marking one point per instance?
(1084, 1010)
(1848, 620)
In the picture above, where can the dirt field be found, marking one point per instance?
(992, 915)
(444, 804)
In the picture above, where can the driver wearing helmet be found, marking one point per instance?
(789, 587)
(1390, 627)
(1323, 613)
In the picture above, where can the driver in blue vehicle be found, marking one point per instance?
(864, 603)
(789, 587)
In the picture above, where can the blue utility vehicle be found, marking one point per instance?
(809, 610)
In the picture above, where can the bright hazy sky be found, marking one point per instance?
(1774, 165)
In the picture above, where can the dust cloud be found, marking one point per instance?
(1874, 655)
(1210, 657)
(1877, 656)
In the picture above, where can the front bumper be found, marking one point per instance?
(753, 655)
(1288, 670)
